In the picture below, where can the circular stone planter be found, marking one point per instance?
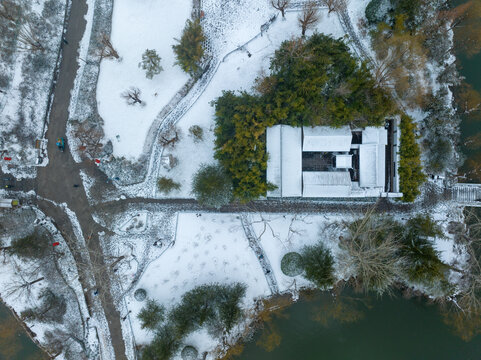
(189, 353)
(140, 294)
(291, 264)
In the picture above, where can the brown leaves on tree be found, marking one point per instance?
(106, 49)
(280, 5)
(90, 138)
(309, 17)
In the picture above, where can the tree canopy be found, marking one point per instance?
(190, 50)
(410, 171)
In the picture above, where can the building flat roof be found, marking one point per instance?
(284, 164)
(323, 138)
(326, 183)
(372, 165)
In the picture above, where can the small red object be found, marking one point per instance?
(97, 161)
(7, 158)
(56, 243)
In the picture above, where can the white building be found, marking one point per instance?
(325, 162)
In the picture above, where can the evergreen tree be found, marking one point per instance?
(228, 308)
(150, 63)
(423, 264)
(33, 246)
(164, 345)
(211, 186)
(318, 264)
(410, 170)
(190, 50)
(151, 315)
(166, 185)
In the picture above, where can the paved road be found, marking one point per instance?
(265, 206)
(55, 181)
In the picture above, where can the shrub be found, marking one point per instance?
(166, 185)
(318, 264)
(212, 186)
(197, 133)
(170, 136)
(410, 172)
(164, 345)
(33, 246)
(376, 11)
(291, 264)
(423, 264)
(189, 50)
(189, 353)
(213, 305)
(151, 315)
(150, 63)
(140, 294)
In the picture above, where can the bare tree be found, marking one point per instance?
(90, 138)
(21, 284)
(9, 11)
(280, 5)
(469, 300)
(170, 136)
(106, 49)
(334, 5)
(309, 17)
(28, 38)
(371, 250)
(132, 96)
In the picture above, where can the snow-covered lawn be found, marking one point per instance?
(281, 234)
(138, 25)
(209, 248)
(237, 73)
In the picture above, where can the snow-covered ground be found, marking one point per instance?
(210, 248)
(28, 75)
(61, 278)
(138, 25)
(281, 234)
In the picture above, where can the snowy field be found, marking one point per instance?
(209, 248)
(238, 72)
(281, 234)
(138, 25)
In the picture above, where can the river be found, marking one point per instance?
(361, 328)
(14, 342)
(471, 125)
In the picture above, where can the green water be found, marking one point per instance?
(14, 342)
(362, 329)
(471, 125)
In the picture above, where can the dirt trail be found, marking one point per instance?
(55, 181)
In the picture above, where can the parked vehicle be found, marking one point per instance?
(9, 203)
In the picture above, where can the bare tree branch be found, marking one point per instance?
(280, 5)
(309, 17)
